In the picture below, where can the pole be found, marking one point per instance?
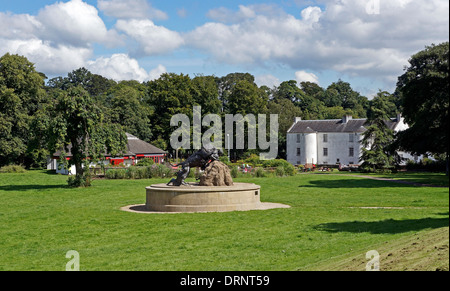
(228, 137)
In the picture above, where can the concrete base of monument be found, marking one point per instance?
(193, 198)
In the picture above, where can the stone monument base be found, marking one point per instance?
(194, 198)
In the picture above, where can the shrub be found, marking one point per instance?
(80, 181)
(12, 169)
(110, 174)
(280, 171)
(160, 171)
(121, 174)
(234, 172)
(146, 162)
(260, 173)
(289, 169)
(132, 173)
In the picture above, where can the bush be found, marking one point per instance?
(289, 169)
(110, 174)
(234, 172)
(280, 171)
(146, 162)
(12, 169)
(80, 181)
(260, 173)
(120, 174)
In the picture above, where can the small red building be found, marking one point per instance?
(136, 150)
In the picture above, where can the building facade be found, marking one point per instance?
(331, 142)
(136, 150)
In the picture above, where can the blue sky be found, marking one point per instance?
(364, 42)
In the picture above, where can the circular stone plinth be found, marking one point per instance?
(194, 198)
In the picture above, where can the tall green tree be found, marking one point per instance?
(227, 83)
(77, 125)
(94, 84)
(21, 95)
(169, 95)
(378, 138)
(424, 91)
(128, 109)
(246, 98)
(205, 92)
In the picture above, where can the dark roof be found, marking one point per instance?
(135, 146)
(139, 147)
(334, 125)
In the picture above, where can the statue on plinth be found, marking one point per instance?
(204, 158)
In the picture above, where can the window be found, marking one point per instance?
(325, 152)
(325, 138)
(350, 137)
(298, 138)
(351, 152)
(299, 152)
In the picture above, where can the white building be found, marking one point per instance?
(331, 142)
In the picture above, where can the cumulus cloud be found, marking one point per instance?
(303, 76)
(130, 9)
(121, 67)
(48, 58)
(267, 80)
(76, 23)
(59, 38)
(152, 39)
(340, 36)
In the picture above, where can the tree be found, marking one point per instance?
(286, 111)
(340, 93)
(92, 83)
(206, 94)
(378, 138)
(77, 125)
(246, 98)
(227, 83)
(128, 109)
(424, 91)
(21, 95)
(169, 95)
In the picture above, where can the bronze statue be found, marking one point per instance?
(201, 158)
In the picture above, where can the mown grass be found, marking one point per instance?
(41, 219)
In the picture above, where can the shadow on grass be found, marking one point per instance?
(31, 187)
(389, 226)
(352, 183)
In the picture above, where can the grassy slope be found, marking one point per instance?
(41, 219)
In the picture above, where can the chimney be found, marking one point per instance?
(297, 119)
(346, 118)
(399, 117)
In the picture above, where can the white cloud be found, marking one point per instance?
(157, 72)
(130, 9)
(59, 39)
(76, 23)
(303, 76)
(49, 59)
(267, 80)
(121, 67)
(152, 39)
(340, 36)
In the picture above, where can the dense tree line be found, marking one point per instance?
(36, 116)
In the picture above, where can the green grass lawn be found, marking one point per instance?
(41, 220)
